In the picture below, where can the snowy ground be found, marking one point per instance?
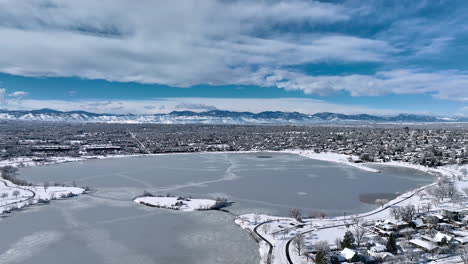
(14, 197)
(171, 203)
(332, 157)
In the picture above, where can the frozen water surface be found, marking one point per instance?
(107, 227)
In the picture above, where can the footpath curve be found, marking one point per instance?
(388, 206)
(33, 194)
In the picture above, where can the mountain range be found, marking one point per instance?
(218, 117)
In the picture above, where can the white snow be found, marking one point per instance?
(347, 253)
(175, 203)
(13, 196)
(333, 157)
(423, 243)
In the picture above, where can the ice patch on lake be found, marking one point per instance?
(29, 246)
(111, 251)
(238, 252)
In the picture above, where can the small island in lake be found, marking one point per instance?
(181, 203)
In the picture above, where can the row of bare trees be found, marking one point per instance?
(404, 213)
(445, 189)
(296, 213)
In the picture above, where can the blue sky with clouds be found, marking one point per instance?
(380, 57)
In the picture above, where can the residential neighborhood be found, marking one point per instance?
(428, 145)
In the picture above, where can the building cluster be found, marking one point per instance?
(428, 236)
(426, 145)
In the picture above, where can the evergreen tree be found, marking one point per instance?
(444, 241)
(348, 240)
(391, 244)
(321, 257)
(334, 260)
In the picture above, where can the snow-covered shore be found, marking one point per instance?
(324, 156)
(14, 197)
(332, 157)
(177, 203)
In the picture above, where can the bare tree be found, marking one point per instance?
(256, 218)
(359, 232)
(450, 190)
(396, 213)
(16, 193)
(296, 214)
(338, 242)
(46, 185)
(4, 195)
(407, 213)
(464, 254)
(323, 214)
(421, 195)
(428, 207)
(437, 192)
(266, 228)
(298, 243)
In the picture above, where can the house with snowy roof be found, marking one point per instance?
(348, 255)
(439, 238)
(426, 245)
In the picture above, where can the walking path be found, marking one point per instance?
(33, 194)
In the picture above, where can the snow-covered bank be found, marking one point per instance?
(177, 203)
(38, 161)
(332, 157)
(448, 170)
(14, 197)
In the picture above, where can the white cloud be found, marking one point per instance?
(189, 42)
(18, 94)
(167, 105)
(171, 42)
(451, 85)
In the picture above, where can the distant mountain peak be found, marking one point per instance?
(218, 117)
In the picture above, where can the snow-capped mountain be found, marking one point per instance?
(218, 117)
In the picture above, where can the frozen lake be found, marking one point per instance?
(106, 227)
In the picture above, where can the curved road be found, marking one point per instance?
(270, 250)
(360, 216)
(33, 194)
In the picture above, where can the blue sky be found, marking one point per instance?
(380, 57)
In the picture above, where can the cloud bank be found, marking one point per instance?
(166, 105)
(266, 43)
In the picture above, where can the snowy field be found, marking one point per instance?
(14, 197)
(175, 203)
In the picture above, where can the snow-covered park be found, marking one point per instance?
(14, 196)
